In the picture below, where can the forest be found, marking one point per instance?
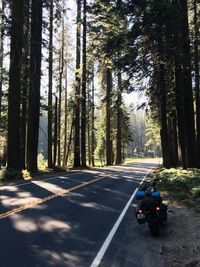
(66, 68)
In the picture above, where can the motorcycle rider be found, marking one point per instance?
(149, 202)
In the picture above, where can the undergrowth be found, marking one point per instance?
(182, 185)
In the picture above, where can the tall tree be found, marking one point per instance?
(93, 121)
(1, 50)
(55, 131)
(50, 104)
(196, 71)
(83, 95)
(66, 123)
(61, 70)
(14, 161)
(25, 81)
(34, 89)
(108, 115)
(77, 89)
(187, 87)
(119, 133)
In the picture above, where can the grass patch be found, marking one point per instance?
(182, 185)
(132, 160)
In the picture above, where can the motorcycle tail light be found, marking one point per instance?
(140, 211)
(157, 208)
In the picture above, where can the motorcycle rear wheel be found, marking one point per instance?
(154, 228)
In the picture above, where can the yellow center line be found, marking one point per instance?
(43, 200)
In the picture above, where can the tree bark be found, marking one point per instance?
(92, 122)
(180, 112)
(65, 129)
(55, 130)
(50, 105)
(119, 132)
(89, 127)
(14, 160)
(77, 90)
(60, 102)
(164, 125)
(187, 87)
(25, 83)
(196, 70)
(174, 141)
(83, 95)
(34, 89)
(1, 55)
(108, 116)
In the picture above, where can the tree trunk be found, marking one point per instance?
(65, 129)
(108, 116)
(196, 70)
(164, 126)
(60, 103)
(34, 89)
(89, 128)
(179, 88)
(70, 140)
(83, 95)
(92, 122)
(173, 147)
(77, 90)
(1, 54)
(119, 131)
(180, 112)
(174, 141)
(55, 130)
(25, 83)
(14, 160)
(50, 106)
(187, 87)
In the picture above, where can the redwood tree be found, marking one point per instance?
(14, 85)
(34, 87)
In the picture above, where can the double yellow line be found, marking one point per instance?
(43, 200)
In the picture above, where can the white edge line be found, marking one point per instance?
(110, 236)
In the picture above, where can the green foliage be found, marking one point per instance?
(183, 185)
(11, 174)
(42, 163)
(152, 136)
(26, 174)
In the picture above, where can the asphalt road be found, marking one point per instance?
(64, 221)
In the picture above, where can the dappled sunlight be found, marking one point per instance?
(53, 258)
(15, 201)
(97, 206)
(45, 223)
(49, 224)
(9, 188)
(24, 224)
(48, 186)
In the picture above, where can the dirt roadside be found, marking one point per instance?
(181, 246)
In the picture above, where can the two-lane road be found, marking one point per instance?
(65, 220)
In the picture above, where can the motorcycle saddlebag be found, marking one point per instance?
(155, 195)
(140, 195)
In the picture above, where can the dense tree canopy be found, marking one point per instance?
(77, 83)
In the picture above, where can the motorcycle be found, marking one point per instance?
(155, 215)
